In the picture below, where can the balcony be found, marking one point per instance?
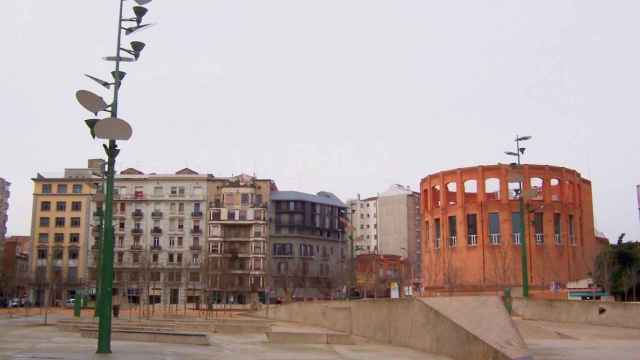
(557, 239)
(98, 213)
(137, 214)
(196, 214)
(453, 241)
(539, 238)
(436, 243)
(156, 248)
(156, 214)
(472, 240)
(136, 247)
(516, 239)
(494, 239)
(572, 239)
(156, 231)
(195, 247)
(137, 231)
(196, 231)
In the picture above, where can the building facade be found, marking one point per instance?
(308, 246)
(61, 215)
(389, 224)
(14, 279)
(471, 227)
(238, 238)
(4, 209)
(159, 237)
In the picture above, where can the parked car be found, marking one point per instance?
(15, 302)
(4, 302)
(70, 303)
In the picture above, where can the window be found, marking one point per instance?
(180, 207)
(76, 206)
(572, 237)
(243, 215)
(42, 254)
(258, 199)
(121, 241)
(46, 188)
(215, 247)
(58, 237)
(244, 199)
(453, 231)
(123, 207)
(155, 276)
(62, 188)
(136, 258)
(557, 228)
(179, 259)
(283, 267)
(155, 258)
(438, 230)
(516, 223)
(73, 253)
(133, 276)
(157, 191)
(44, 222)
(120, 257)
(180, 225)
(172, 242)
(494, 228)
(156, 242)
(174, 191)
(171, 258)
(57, 253)
(45, 206)
(472, 229)
(195, 259)
(179, 241)
(60, 222)
(75, 222)
(194, 276)
(181, 191)
(196, 241)
(538, 225)
(43, 237)
(282, 249)
(215, 215)
(61, 206)
(77, 188)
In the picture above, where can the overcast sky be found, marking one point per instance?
(343, 96)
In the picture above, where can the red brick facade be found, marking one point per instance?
(478, 214)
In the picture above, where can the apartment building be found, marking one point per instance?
(389, 224)
(4, 208)
(159, 234)
(308, 246)
(60, 231)
(237, 239)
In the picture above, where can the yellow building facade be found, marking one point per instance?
(60, 231)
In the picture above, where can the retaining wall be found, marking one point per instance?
(617, 314)
(411, 323)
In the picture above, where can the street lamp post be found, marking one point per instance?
(111, 129)
(523, 240)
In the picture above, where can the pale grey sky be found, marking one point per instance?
(344, 96)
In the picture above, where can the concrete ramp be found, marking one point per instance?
(483, 317)
(465, 328)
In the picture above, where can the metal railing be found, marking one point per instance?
(516, 238)
(494, 239)
(453, 241)
(437, 243)
(557, 239)
(539, 238)
(472, 240)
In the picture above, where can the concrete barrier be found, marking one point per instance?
(151, 336)
(241, 328)
(283, 337)
(467, 328)
(617, 314)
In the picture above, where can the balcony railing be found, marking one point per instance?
(516, 238)
(156, 214)
(156, 231)
(196, 230)
(453, 241)
(98, 213)
(472, 240)
(156, 248)
(572, 239)
(195, 247)
(196, 214)
(437, 243)
(137, 214)
(539, 238)
(137, 231)
(494, 239)
(136, 247)
(557, 239)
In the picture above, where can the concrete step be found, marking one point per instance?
(166, 337)
(285, 337)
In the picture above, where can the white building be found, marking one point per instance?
(364, 220)
(159, 233)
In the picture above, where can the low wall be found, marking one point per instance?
(151, 336)
(617, 314)
(410, 323)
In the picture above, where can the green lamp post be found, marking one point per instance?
(111, 129)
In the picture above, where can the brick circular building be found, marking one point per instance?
(471, 225)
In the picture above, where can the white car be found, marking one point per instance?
(14, 303)
(70, 303)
